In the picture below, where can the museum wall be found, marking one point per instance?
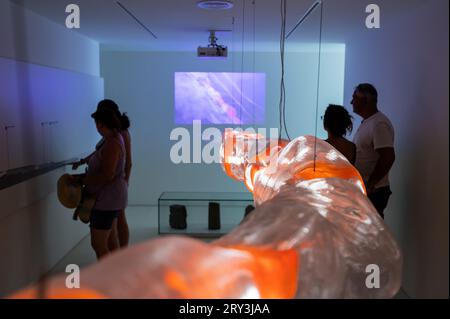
(143, 85)
(405, 60)
(47, 74)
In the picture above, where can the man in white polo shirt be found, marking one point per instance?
(374, 141)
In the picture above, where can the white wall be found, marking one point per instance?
(47, 73)
(407, 60)
(26, 36)
(143, 85)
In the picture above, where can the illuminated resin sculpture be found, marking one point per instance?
(319, 208)
(313, 234)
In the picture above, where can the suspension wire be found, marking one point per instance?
(282, 102)
(242, 61)
(280, 115)
(254, 59)
(318, 84)
(233, 44)
(284, 88)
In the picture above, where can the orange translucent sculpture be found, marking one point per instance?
(56, 292)
(313, 234)
(178, 267)
(254, 159)
(310, 198)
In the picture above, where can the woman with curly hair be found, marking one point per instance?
(338, 122)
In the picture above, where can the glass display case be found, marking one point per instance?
(201, 214)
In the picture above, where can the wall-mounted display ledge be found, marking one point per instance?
(22, 174)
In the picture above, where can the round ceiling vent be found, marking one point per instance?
(215, 4)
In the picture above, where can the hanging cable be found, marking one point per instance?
(233, 53)
(232, 44)
(318, 84)
(280, 112)
(284, 88)
(282, 102)
(242, 61)
(254, 59)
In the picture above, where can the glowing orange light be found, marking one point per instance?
(58, 293)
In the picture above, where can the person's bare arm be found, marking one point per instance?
(128, 160)
(384, 164)
(82, 161)
(109, 159)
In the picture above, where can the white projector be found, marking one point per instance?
(212, 52)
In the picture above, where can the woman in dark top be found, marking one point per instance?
(122, 224)
(105, 180)
(338, 122)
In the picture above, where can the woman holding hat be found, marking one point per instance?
(122, 224)
(106, 179)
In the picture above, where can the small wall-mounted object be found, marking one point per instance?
(8, 157)
(52, 143)
(44, 142)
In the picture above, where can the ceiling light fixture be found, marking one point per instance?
(215, 4)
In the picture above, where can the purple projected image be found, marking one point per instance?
(220, 98)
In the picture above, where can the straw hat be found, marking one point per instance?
(69, 192)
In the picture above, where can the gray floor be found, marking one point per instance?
(143, 221)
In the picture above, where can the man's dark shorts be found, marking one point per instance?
(380, 198)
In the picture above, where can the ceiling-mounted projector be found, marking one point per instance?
(213, 50)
